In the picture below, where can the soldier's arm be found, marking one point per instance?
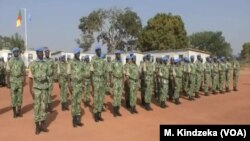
(31, 83)
(24, 75)
(69, 78)
(8, 75)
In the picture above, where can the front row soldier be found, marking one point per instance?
(228, 74)
(63, 81)
(207, 75)
(98, 84)
(177, 74)
(126, 82)
(16, 81)
(75, 82)
(236, 70)
(39, 85)
(2, 72)
(116, 81)
(133, 74)
(215, 75)
(192, 75)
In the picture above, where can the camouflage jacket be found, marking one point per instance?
(98, 68)
(16, 68)
(51, 65)
(116, 69)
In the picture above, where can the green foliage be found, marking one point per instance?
(162, 32)
(211, 41)
(11, 42)
(116, 28)
(245, 52)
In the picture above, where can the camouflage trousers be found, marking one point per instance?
(50, 89)
(76, 98)
(215, 81)
(221, 80)
(177, 87)
(99, 92)
(228, 79)
(16, 94)
(198, 82)
(149, 89)
(207, 82)
(236, 79)
(63, 88)
(133, 85)
(191, 85)
(39, 104)
(118, 88)
(186, 83)
(86, 93)
(164, 90)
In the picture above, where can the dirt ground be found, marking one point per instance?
(230, 108)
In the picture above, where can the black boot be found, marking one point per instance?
(14, 112)
(100, 116)
(190, 98)
(221, 92)
(163, 104)
(148, 107)
(78, 121)
(227, 89)
(214, 92)
(135, 111)
(43, 126)
(177, 101)
(132, 110)
(49, 108)
(118, 111)
(19, 111)
(115, 111)
(63, 107)
(235, 89)
(74, 122)
(127, 104)
(197, 95)
(66, 106)
(206, 94)
(96, 117)
(37, 128)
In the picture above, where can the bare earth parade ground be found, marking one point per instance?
(229, 108)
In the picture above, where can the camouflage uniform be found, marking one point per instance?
(186, 78)
(2, 71)
(199, 72)
(164, 82)
(98, 78)
(51, 70)
(133, 75)
(126, 85)
(222, 69)
(107, 77)
(215, 77)
(228, 75)
(87, 83)
(207, 77)
(75, 70)
(16, 71)
(177, 73)
(192, 76)
(148, 69)
(63, 83)
(236, 71)
(39, 71)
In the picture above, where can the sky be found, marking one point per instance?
(54, 23)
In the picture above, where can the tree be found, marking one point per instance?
(11, 42)
(211, 41)
(245, 52)
(115, 28)
(162, 32)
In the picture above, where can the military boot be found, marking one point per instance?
(74, 122)
(206, 94)
(100, 117)
(49, 108)
(197, 95)
(14, 112)
(115, 111)
(235, 89)
(227, 89)
(43, 126)
(163, 104)
(78, 121)
(19, 111)
(96, 117)
(118, 111)
(37, 128)
(177, 101)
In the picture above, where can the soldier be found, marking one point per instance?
(2, 72)
(98, 83)
(222, 74)
(87, 81)
(207, 75)
(63, 83)
(236, 71)
(164, 78)
(116, 81)
(55, 69)
(171, 79)
(215, 75)
(126, 82)
(142, 78)
(39, 85)
(16, 81)
(148, 68)
(108, 70)
(228, 74)
(177, 73)
(51, 70)
(199, 68)
(186, 72)
(192, 79)
(156, 78)
(133, 74)
(75, 83)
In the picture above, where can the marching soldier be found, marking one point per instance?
(51, 70)
(215, 75)
(207, 75)
(2, 72)
(75, 82)
(39, 85)
(116, 81)
(107, 74)
(142, 78)
(228, 74)
(199, 68)
(192, 79)
(98, 83)
(236, 71)
(16, 81)
(126, 82)
(222, 74)
(87, 81)
(186, 75)
(177, 73)
(63, 81)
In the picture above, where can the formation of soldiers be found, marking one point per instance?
(167, 79)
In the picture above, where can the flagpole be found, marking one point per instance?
(25, 30)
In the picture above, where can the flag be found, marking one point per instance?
(19, 19)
